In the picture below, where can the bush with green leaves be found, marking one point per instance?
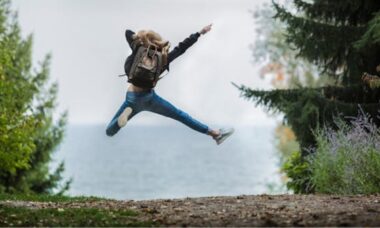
(28, 133)
(297, 169)
(347, 160)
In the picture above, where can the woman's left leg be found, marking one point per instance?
(161, 106)
(115, 125)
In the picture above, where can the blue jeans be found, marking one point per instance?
(150, 101)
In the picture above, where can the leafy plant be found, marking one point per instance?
(28, 132)
(298, 171)
(347, 160)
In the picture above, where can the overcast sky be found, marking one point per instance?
(86, 39)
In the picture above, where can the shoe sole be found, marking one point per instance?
(123, 118)
(225, 137)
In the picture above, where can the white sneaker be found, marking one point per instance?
(223, 135)
(123, 118)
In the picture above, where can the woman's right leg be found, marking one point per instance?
(114, 126)
(161, 106)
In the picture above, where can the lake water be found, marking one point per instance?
(142, 162)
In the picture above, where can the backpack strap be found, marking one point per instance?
(159, 63)
(135, 44)
(159, 78)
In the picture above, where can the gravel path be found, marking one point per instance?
(261, 210)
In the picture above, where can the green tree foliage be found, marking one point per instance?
(308, 109)
(28, 133)
(372, 36)
(327, 34)
(326, 31)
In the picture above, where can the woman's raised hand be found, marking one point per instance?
(206, 29)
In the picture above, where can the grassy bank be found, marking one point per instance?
(46, 198)
(23, 215)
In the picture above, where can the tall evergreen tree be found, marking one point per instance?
(342, 39)
(28, 133)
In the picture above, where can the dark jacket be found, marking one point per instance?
(177, 51)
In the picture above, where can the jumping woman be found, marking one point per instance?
(149, 59)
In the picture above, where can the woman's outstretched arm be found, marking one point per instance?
(188, 42)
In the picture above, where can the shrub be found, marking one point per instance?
(28, 132)
(347, 160)
(298, 171)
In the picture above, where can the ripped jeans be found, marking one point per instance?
(150, 101)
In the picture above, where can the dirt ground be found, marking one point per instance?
(260, 210)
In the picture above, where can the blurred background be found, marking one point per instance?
(318, 131)
(153, 156)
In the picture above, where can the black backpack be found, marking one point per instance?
(146, 67)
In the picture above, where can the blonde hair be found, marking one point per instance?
(151, 38)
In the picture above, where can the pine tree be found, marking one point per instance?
(28, 133)
(325, 33)
(341, 38)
